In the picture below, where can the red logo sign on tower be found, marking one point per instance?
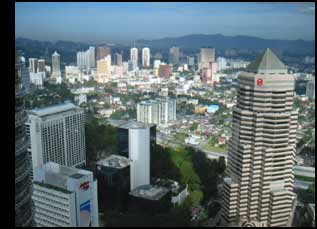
(259, 82)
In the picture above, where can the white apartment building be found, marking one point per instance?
(86, 59)
(64, 197)
(259, 189)
(145, 57)
(57, 134)
(134, 58)
(159, 111)
(72, 74)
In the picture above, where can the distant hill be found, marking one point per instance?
(219, 41)
(45, 49)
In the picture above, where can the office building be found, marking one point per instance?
(146, 57)
(37, 79)
(160, 111)
(259, 187)
(165, 71)
(64, 197)
(136, 142)
(206, 76)
(222, 63)
(102, 52)
(41, 65)
(150, 198)
(24, 210)
(57, 134)
(113, 175)
(134, 58)
(33, 65)
(207, 55)
(118, 59)
(174, 55)
(310, 89)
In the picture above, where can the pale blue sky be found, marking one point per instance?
(100, 22)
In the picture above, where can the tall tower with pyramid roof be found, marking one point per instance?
(258, 189)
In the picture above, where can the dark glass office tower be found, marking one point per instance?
(24, 210)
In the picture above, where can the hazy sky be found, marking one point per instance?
(100, 22)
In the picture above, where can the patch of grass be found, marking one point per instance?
(218, 149)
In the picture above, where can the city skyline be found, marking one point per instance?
(52, 21)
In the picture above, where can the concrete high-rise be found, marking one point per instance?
(57, 134)
(207, 55)
(64, 197)
(24, 209)
(33, 65)
(159, 111)
(134, 58)
(174, 55)
(259, 188)
(165, 71)
(146, 57)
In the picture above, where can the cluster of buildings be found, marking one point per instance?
(159, 111)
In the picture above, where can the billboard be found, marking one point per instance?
(85, 212)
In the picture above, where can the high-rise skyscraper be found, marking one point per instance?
(207, 55)
(56, 67)
(102, 52)
(174, 55)
(64, 197)
(310, 89)
(134, 58)
(118, 59)
(91, 57)
(259, 188)
(145, 57)
(57, 134)
(33, 65)
(137, 141)
(24, 210)
(41, 65)
(104, 69)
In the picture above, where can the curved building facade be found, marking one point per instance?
(24, 209)
(259, 188)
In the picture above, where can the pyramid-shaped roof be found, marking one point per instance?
(267, 61)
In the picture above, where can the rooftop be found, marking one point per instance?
(150, 192)
(114, 161)
(57, 175)
(267, 61)
(53, 109)
(136, 125)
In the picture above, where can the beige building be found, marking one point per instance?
(207, 55)
(104, 69)
(259, 188)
